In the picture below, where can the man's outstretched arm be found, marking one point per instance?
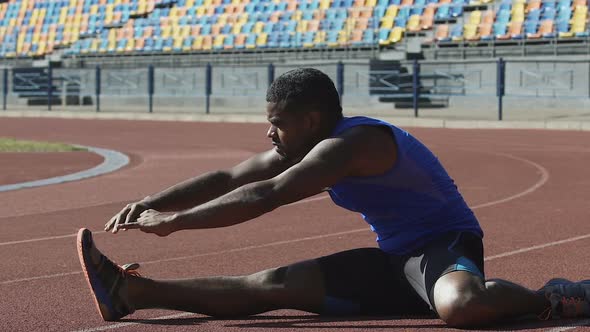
(204, 188)
(327, 163)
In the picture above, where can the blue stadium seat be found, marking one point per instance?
(273, 40)
(418, 7)
(562, 26)
(443, 12)
(158, 45)
(456, 31)
(548, 13)
(530, 27)
(149, 45)
(228, 42)
(269, 27)
(499, 29)
(457, 8)
(368, 37)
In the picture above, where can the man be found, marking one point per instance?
(430, 255)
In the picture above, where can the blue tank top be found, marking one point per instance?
(410, 204)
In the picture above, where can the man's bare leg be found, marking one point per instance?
(298, 286)
(464, 300)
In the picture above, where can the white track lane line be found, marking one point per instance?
(57, 237)
(573, 325)
(119, 325)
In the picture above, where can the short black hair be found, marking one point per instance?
(304, 89)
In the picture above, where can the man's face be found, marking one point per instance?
(291, 132)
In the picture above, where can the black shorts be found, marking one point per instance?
(368, 281)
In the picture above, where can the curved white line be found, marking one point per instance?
(113, 160)
(544, 178)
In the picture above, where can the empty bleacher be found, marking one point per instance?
(34, 28)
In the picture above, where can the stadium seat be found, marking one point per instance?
(470, 32)
(442, 33)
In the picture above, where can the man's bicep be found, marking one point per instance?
(262, 166)
(325, 165)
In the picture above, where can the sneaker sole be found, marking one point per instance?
(99, 293)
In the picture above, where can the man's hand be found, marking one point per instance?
(152, 221)
(129, 214)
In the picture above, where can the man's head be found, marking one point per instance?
(303, 107)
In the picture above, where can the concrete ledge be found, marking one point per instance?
(261, 118)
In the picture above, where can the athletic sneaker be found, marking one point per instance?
(568, 299)
(107, 280)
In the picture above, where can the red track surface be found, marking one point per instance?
(528, 188)
(29, 166)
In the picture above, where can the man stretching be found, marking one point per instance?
(430, 255)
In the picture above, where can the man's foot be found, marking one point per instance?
(107, 280)
(568, 299)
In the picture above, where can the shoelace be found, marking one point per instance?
(130, 269)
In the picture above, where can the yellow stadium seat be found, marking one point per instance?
(185, 31)
(41, 49)
(320, 37)
(387, 23)
(207, 42)
(237, 28)
(414, 23)
(218, 41)
(258, 27)
(178, 41)
(392, 11)
(166, 31)
(343, 38)
(243, 18)
(396, 34)
(222, 19)
(261, 39)
(130, 47)
(198, 43)
(470, 31)
(475, 17)
(94, 45)
(301, 26)
(176, 31)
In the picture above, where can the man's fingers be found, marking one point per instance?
(109, 224)
(133, 225)
(132, 213)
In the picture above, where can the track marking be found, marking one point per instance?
(544, 178)
(57, 237)
(571, 326)
(537, 247)
(119, 325)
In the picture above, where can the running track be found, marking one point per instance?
(530, 190)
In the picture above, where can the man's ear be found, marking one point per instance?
(313, 120)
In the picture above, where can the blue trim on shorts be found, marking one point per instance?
(337, 306)
(465, 264)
